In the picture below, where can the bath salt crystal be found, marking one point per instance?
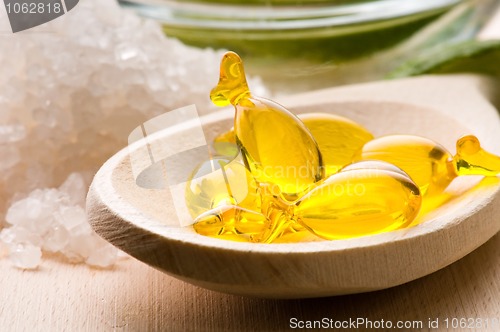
(103, 257)
(25, 256)
(56, 239)
(55, 221)
(74, 219)
(130, 53)
(30, 213)
(76, 188)
(13, 236)
(83, 246)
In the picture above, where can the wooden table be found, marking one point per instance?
(135, 297)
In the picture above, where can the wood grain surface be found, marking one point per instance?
(135, 297)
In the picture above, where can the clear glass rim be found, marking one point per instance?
(265, 18)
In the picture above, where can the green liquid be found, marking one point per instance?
(348, 44)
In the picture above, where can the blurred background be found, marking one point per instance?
(302, 45)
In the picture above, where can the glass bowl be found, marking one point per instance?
(317, 42)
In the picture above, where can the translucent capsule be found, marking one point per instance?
(429, 164)
(338, 139)
(232, 222)
(276, 145)
(221, 181)
(472, 159)
(362, 199)
(290, 171)
(295, 232)
(225, 144)
(424, 160)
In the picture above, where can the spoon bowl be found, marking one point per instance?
(141, 221)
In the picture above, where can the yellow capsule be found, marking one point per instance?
(231, 222)
(364, 198)
(276, 145)
(424, 160)
(429, 164)
(286, 194)
(472, 159)
(361, 199)
(221, 181)
(338, 139)
(225, 144)
(295, 232)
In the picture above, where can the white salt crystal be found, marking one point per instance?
(103, 257)
(76, 188)
(25, 256)
(155, 81)
(130, 53)
(83, 245)
(56, 239)
(13, 236)
(26, 212)
(74, 219)
(134, 77)
(72, 256)
(51, 198)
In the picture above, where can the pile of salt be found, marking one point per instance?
(71, 91)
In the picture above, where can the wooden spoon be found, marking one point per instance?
(140, 221)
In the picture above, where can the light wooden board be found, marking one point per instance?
(135, 297)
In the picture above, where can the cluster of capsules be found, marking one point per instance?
(281, 177)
